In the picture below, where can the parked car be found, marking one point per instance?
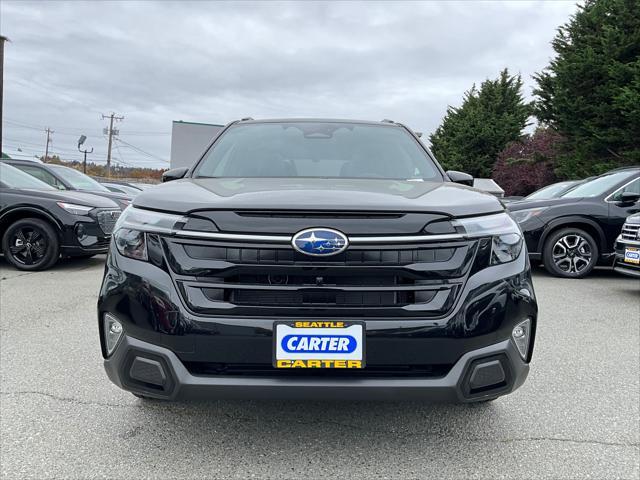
(317, 259)
(40, 223)
(574, 233)
(125, 188)
(143, 186)
(628, 247)
(65, 178)
(488, 185)
(554, 190)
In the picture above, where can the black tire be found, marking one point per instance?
(31, 244)
(570, 253)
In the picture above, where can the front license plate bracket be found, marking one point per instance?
(318, 344)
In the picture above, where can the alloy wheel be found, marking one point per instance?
(28, 245)
(572, 253)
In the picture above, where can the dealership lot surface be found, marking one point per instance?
(577, 415)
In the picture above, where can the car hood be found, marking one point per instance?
(635, 218)
(69, 196)
(192, 194)
(109, 194)
(549, 202)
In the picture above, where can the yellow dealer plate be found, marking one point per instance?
(318, 344)
(632, 255)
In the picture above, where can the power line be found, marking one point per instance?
(138, 149)
(22, 125)
(36, 147)
(66, 131)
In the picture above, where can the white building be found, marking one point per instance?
(189, 140)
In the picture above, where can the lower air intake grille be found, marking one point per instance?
(107, 220)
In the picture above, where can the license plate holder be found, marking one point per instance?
(318, 344)
(632, 255)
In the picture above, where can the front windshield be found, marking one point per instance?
(597, 186)
(318, 149)
(550, 191)
(78, 180)
(13, 178)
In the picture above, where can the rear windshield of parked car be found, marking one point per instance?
(598, 186)
(318, 149)
(12, 177)
(78, 180)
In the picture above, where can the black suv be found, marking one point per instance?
(628, 248)
(574, 233)
(317, 259)
(38, 223)
(65, 178)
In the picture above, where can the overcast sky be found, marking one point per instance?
(154, 62)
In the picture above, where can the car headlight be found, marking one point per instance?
(74, 209)
(506, 237)
(522, 216)
(133, 225)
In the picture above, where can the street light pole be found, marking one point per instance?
(2, 40)
(81, 141)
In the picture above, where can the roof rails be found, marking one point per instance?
(386, 120)
(246, 119)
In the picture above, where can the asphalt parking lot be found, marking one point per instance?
(576, 417)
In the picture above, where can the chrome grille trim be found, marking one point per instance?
(630, 231)
(286, 239)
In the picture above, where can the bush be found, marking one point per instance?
(528, 164)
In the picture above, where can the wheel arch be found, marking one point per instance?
(586, 224)
(18, 213)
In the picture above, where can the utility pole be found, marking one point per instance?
(49, 140)
(2, 40)
(111, 132)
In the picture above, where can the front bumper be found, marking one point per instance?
(155, 371)
(184, 355)
(82, 235)
(620, 265)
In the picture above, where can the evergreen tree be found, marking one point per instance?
(471, 136)
(590, 93)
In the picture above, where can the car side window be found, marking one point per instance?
(42, 174)
(633, 187)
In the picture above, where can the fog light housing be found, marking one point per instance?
(112, 333)
(521, 335)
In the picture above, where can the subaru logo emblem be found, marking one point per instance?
(320, 242)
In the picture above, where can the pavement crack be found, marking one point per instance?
(399, 434)
(67, 399)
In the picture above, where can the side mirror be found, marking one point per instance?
(628, 198)
(174, 174)
(460, 177)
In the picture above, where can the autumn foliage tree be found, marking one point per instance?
(528, 164)
(117, 171)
